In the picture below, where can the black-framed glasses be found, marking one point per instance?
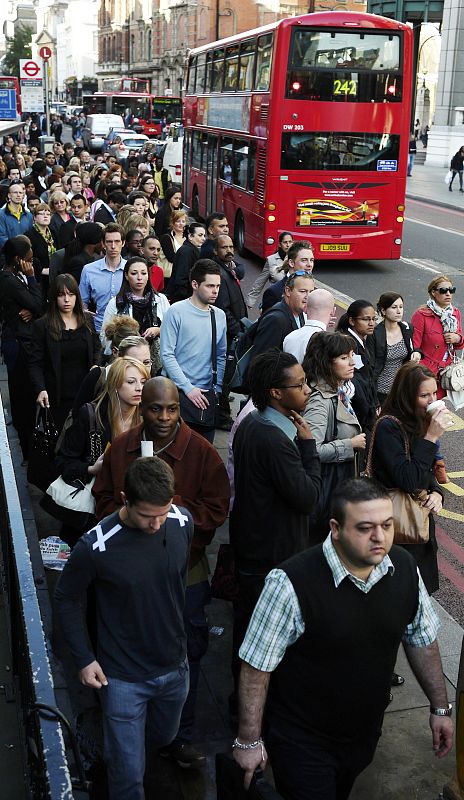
(450, 289)
(294, 386)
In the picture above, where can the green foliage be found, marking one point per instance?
(17, 46)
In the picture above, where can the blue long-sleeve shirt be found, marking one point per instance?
(186, 346)
(12, 226)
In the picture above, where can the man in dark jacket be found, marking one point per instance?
(284, 317)
(230, 299)
(108, 211)
(277, 480)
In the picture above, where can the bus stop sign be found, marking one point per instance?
(45, 53)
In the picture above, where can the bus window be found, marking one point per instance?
(345, 49)
(231, 68)
(226, 162)
(218, 70)
(264, 62)
(251, 166)
(191, 75)
(209, 70)
(247, 64)
(201, 69)
(337, 151)
(140, 107)
(198, 141)
(241, 163)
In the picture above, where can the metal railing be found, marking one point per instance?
(46, 770)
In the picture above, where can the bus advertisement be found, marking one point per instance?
(148, 110)
(303, 126)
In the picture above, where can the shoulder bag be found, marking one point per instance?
(73, 503)
(410, 518)
(190, 413)
(452, 376)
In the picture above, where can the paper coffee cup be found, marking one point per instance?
(435, 405)
(147, 449)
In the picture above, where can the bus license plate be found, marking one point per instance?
(336, 248)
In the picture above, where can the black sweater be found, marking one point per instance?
(277, 485)
(139, 583)
(15, 295)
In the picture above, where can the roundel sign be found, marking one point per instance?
(45, 53)
(30, 69)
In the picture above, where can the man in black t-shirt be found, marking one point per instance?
(137, 559)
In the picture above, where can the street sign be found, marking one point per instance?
(45, 53)
(31, 74)
(30, 70)
(8, 104)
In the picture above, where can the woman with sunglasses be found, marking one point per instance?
(438, 328)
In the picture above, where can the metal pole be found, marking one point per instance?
(47, 103)
(454, 790)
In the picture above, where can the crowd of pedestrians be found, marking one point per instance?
(121, 321)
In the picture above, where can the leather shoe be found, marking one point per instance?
(397, 680)
(185, 755)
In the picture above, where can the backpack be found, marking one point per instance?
(241, 354)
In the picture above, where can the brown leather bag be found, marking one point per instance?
(411, 519)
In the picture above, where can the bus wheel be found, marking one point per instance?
(239, 234)
(195, 205)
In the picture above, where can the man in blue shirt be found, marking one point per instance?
(186, 340)
(101, 280)
(15, 219)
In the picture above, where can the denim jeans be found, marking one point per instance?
(127, 709)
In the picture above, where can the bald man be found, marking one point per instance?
(202, 486)
(320, 310)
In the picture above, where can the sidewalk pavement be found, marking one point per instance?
(427, 183)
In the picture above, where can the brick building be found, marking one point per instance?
(151, 38)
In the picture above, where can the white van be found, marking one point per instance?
(97, 129)
(172, 159)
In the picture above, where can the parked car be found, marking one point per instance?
(125, 141)
(70, 112)
(97, 129)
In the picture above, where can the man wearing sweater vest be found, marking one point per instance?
(321, 647)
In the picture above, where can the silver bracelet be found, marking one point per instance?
(442, 712)
(250, 746)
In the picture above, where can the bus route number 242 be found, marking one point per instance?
(293, 127)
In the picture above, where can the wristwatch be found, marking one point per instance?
(442, 712)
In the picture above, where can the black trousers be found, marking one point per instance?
(307, 767)
(22, 398)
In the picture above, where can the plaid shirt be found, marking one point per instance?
(277, 621)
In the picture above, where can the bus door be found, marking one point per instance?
(211, 174)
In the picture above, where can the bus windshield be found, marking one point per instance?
(348, 66)
(167, 107)
(339, 151)
(139, 106)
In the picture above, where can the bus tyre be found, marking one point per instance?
(239, 234)
(195, 205)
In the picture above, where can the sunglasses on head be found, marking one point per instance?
(450, 289)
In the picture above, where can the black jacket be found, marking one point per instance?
(40, 251)
(66, 232)
(457, 162)
(44, 359)
(273, 294)
(14, 296)
(103, 215)
(365, 399)
(230, 299)
(394, 471)
(74, 455)
(273, 327)
(162, 220)
(179, 284)
(377, 346)
(167, 246)
(56, 223)
(277, 485)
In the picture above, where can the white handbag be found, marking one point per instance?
(452, 376)
(78, 497)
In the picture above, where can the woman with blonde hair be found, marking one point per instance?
(96, 424)
(59, 206)
(172, 241)
(136, 222)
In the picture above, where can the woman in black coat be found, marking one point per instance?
(65, 346)
(21, 302)
(44, 244)
(414, 388)
(179, 283)
(391, 345)
(172, 202)
(359, 323)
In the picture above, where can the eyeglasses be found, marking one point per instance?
(449, 289)
(295, 386)
(366, 319)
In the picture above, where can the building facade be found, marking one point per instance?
(151, 38)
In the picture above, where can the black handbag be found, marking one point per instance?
(190, 413)
(229, 782)
(41, 470)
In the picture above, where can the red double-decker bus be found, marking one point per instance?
(148, 110)
(303, 125)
